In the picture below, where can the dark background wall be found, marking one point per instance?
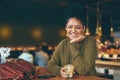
(21, 16)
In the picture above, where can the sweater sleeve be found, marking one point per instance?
(84, 62)
(54, 63)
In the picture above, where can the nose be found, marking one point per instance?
(73, 29)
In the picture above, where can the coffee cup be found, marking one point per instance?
(69, 69)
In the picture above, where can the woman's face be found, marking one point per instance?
(74, 28)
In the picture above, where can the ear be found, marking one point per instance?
(65, 28)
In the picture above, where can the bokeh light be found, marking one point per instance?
(36, 33)
(5, 32)
(62, 33)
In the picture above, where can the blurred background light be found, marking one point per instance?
(62, 33)
(5, 32)
(36, 33)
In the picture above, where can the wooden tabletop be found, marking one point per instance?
(75, 78)
(42, 71)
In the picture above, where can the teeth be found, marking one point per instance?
(73, 34)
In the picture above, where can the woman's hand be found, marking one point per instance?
(63, 73)
(78, 39)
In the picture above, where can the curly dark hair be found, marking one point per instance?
(76, 10)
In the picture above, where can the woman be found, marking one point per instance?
(76, 49)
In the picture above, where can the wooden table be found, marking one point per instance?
(75, 78)
(43, 71)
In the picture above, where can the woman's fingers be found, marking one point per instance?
(63, 72)
(78, 39)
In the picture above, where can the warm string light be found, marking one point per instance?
(100, 25)
(100, 31)
(87, 32)
(99, 22)
(111, 28)
(97, 29)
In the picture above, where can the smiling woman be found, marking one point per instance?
(75, 50)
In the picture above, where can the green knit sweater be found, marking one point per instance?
(82, 55)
